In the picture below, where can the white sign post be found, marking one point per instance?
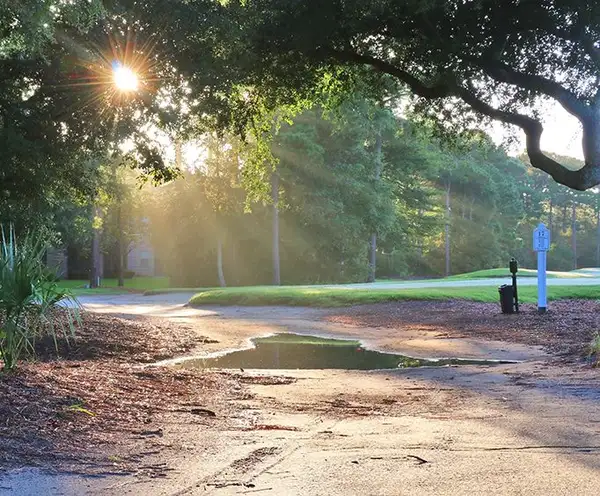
(541, 244)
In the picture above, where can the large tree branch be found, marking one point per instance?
(581, 179)
(506, 74)
(439, 90)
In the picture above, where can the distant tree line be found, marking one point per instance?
(345, 182)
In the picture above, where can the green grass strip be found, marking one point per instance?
(135, 284)
(300, 339)
(332, 297)
(504, 272)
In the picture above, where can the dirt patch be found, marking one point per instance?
(566, 330)
(380, 399)
(98, 409)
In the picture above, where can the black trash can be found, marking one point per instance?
(507, 298)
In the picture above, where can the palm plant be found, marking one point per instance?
(29, 297)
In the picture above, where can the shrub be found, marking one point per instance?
(29, 297)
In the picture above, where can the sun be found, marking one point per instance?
(125, 79)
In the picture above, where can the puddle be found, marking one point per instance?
(296, 351)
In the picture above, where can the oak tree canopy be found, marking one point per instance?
(463, 59)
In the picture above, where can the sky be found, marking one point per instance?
(562, 134)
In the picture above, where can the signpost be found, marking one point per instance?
(541, 244)
(514, 268)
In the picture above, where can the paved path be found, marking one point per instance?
(494, 281)
(529, 428)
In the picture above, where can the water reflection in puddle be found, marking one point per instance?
(296, 351)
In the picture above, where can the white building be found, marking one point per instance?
(140, 259)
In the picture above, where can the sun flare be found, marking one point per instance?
(125, 79)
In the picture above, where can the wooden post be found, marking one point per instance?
(96, 269)
(447, 229)
(275, 233)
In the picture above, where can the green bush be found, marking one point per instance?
(29, 297)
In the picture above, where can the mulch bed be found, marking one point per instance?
(106, 337)
(565, 330)
(85, 410)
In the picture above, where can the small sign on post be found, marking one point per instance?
(541, 244)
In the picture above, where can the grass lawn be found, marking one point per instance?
(331, 297)
(109, 286)
(504, 272)
(299, 339)
(97, 291)
(159, 291)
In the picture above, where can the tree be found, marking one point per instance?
(121, 200)
(329, 204)
(334, 200)
(222, 176)
(59, 109)
(462, 60)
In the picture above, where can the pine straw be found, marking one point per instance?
(566, 330)
(71, 413)
(103, 336)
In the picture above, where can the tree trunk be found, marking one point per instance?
(420, 239)
(447, 230)
(471, 207)
(275, 233)
(574, 234)
(117, 184)
(598, 238)
(121, 261)
(178, 153)
(372, 258)
(121, 249)
(220, 261)
(95, 271)
(373, 243)
(233, 269)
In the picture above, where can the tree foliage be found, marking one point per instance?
(59, 109)
(463, 61)
(238, 64)
(330, 204)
